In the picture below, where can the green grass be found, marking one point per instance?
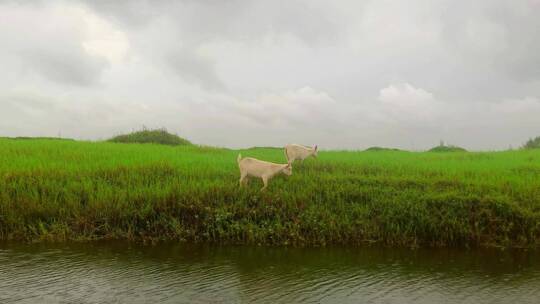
(68, 190)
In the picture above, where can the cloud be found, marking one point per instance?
(518, 106)
(200, 21)
(304, 107)
(29, 113)
(103, 39)
(183, 32)
(403, 102)
(349, 74)
(272, 118)
(64, 44)
(495, 34)
(194, 67)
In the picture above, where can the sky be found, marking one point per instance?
(339, 74)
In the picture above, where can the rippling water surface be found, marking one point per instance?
(180, 273)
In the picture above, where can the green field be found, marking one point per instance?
(69, 190)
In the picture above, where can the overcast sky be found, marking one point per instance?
(340, 74)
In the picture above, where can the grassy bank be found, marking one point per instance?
(57, 190)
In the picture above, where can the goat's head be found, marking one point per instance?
(287, 170)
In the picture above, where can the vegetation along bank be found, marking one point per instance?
(69, 190)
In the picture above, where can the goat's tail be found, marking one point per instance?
(239, 158)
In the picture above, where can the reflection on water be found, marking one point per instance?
(182, 273)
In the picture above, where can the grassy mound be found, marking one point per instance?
(157, 136)
(376, 149)
(69, 190)
(447, 149)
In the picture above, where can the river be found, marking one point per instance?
(119, 272)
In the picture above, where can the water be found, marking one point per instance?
(180, 273)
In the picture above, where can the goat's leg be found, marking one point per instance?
(243, 179)
(265, 182)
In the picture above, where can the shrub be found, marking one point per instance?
(532, 143)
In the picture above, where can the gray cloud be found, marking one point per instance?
(240, 73)
(64, 66)
(40, 41)
(194, 68)
(200, 21)
(498, 34)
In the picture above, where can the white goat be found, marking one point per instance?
(251, 167)
(294, 152)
